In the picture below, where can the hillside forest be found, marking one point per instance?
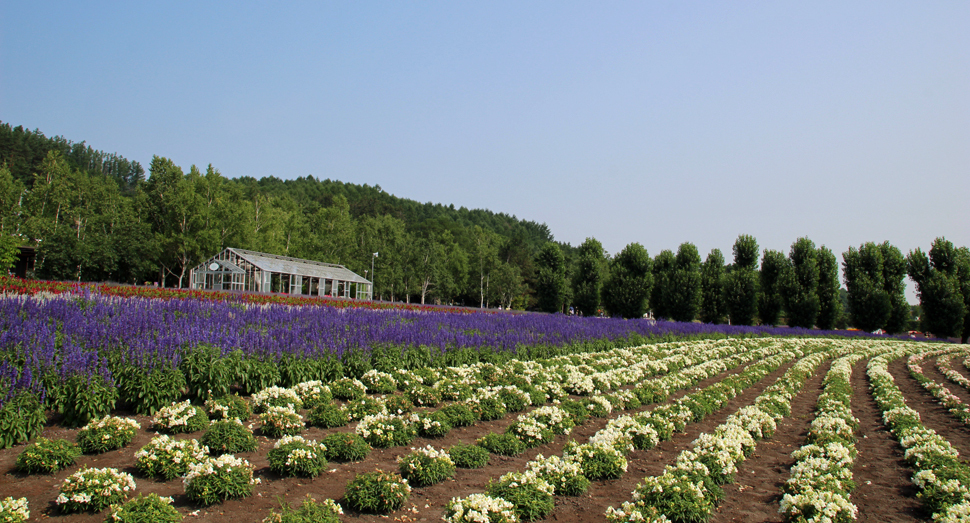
(96, 216)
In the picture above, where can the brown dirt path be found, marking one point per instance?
(756, 492)
(880, 472)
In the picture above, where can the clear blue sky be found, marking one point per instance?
(650, 122)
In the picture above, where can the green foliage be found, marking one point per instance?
(501, 444)
(377, 492)
(741, 284)
(256, 374)
(830, 304)
(799, 285)
(869, 304)
(588, 277)
(146, 390)
(85, 398)
(459, 414)
(47, 456)
(426, 466)
(310, 511)
(550, 287)
(229, 437)
(21, 419)
(423, 396)
(180, 418)
(490, 408)
(106, 434)
(577, 411)
(8, 251)
(296, 456)
(398, 404)
(207, 373)
(434, 425)
(943, 286)
(145, 509)
(342, 446)
(469, 456)
(366, 406)
(713, 307)
(627, 288)
(281, 421)
(530, 433)
(773, 266)
(93, 489)
(328, 416)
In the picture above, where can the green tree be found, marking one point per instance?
(940, 289)
(550, 278)
(893, 274)
(713, 307)
(485, 256)
(773, 266)
(869, 303)
(830, 304)
(685, 284)
(506, 284)
(627, 288)
(588, 277)
(799, 286)
(661, 296)
(741, 285)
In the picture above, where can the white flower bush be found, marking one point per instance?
(276, 397)
(180, 417)
(312, 392)
(94, 489)
(564, 474)
(480, 508)
(387, 430)
(14, 510)
(297, 456)
(217, 479)
(169, 458)
(278, 421)
(107, 433)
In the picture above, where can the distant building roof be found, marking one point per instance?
(288, 265)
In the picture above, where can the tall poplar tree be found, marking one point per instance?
(741, 285)
(712, 288)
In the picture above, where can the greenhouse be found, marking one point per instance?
(242, 270)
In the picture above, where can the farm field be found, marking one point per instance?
(733, 429)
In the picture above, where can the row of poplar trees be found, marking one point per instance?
(802, 288)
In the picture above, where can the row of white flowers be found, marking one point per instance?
(689, 489)
(940, 475)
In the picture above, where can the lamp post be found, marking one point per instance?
(372, 275)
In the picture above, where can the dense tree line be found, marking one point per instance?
(97, 216)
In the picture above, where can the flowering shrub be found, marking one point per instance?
(426, 466)
(366, 406)
(554, 418)
(348, 389)
(598, 406)
(229, 437)
(515, 399)
(501, 444)
(141, 509)
(398, 404)
(218, 479)
(180, 417)
(167, 457)
(328, 416)
(295, 456)
(276, 397)
(230, 406)
(106, 434)
(385, 430)
(14, 510)
(94, 489)
(597, 460)
(310, 511)
(468, 456)
(453, 390)
(479, 508)
(280, 421)
(565, 476)
(312, 393)
(488, 408)
(577, 411)
(812, 506)
(378, 382)
(434, 425)
(530, 432)
(342, 446)
(530, 495)
(47, 456)
(423, 395)
(378, 492)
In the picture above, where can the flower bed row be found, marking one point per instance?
(942, 478)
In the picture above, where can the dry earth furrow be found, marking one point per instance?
(881, 474)
(756, 492)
